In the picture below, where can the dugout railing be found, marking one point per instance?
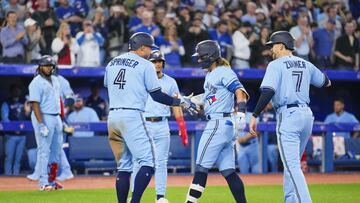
(195, 129)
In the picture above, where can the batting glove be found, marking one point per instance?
(239, 122)
(44, 131)
(187, 104)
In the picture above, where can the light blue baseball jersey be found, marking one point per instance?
(290, 77)
(65, 87)
(345, 117)
(129, 78)
(85, 115)
(154, 109)
(46, 93)
(217, 97)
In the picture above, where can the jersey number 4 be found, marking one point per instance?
(120, 79)
(298, 75)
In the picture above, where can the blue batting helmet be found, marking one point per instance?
(206, 53)
(283, 37)
(156, 55)
(141, 39)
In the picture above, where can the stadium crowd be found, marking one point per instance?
(90, 32)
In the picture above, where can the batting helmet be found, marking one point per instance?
(283, 37)
(206, 53)
(47, 60)
(156, 55)
(141, 39)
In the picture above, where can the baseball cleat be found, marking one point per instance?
(33, 177)
(57, 186)
(46, 188)
(162, 200)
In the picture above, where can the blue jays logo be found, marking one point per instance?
(211, 99)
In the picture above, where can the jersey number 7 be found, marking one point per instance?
(298, 75)
(120, 79)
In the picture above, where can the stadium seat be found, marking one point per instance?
(91, 154)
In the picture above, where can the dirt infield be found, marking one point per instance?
(96, 182)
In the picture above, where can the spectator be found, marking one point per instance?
(20, 10)
(222, 36)
(147, 25)
(35, 39)
(97, 103)
(99, 24)
(279, 22)
(248, 153)
(13, 40)
(82, 114)
(194, 34)
(261, 21)
(286, 12)
(250, 13)
(210, 18)
(81, 8)
(117, 31)
(97, 6)
(269, 115)
(347, 49)
(260, 53)
(68, 14)
(48, 22)
(172, 47)
(160, 16)
(312, 11)
(242, 38)
(340, 116)
(90, 43)
(135, 20)
(64, 46)
(238, 14)
(324, 39)
(14, 109)
(331, 13)
(303, 37)
(185, 20)
(265, 6)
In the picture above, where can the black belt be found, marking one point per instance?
(155, 119)
(122, 108)
(52, 114)
(223, 114)
(248, 142)
(294, 105)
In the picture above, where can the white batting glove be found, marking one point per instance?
(44, 131)
(239, 122)
(186, 103)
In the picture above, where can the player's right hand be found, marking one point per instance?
(44, 131)
(186, 103)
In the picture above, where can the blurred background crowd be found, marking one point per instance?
(88, 33)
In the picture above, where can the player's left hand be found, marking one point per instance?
(252, 126)
(187, 104)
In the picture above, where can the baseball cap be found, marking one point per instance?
(259, 10)
(29, 22)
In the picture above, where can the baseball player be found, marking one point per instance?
(66, 96)
(156, 115)
(130, 78)
(44, 93)
(287, 82)
(217, 143)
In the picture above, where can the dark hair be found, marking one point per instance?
(10, 12)
(339, 100)
(221, 22)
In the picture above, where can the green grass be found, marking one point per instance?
(320, 193)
